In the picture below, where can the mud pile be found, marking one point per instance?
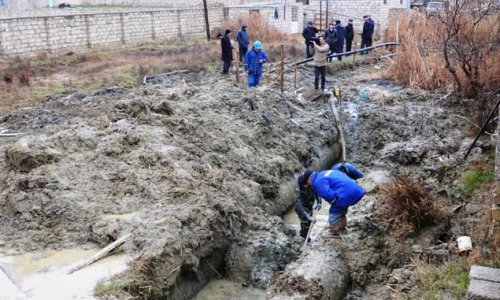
(190, 169)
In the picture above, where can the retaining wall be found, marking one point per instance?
(102, 29)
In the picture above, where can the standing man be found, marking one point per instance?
(349, 36)
(309, 34)
(331, 37)
(340, 191)
(243, 41)
(304, 201)
(227, 52)
(320, 53)
(365, 35)
(254, 60)
(339, 45)
(372, 30)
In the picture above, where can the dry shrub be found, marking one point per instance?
(459, 50)
(258, 29)
(418, 63)
(408, 206)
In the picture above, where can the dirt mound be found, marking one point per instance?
(186, 169)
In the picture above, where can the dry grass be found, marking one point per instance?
(258, 30)
(25, 81)
(420, 61)
(408, 207)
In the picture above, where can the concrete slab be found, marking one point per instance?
(484, 283)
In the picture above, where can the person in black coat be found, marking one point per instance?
(339, 44)
(309, 35)
(349, 36)
(227, 51)
(330, 38)
(366, 35)
(304, 202)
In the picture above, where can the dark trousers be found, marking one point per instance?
(317, 72)
(226, 66)
(332, 50)
(364, 44)
(243, 52)
(304, 224)
(339, 49)
(309, 50)
(348, 45)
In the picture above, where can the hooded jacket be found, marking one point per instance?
(337, 189)
(243, 38)
(340, 35)
(252, 61)
(309, 34)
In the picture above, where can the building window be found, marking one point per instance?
(385, 1)
(400, 1)
(295, 13)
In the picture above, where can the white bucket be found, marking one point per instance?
(464, 243)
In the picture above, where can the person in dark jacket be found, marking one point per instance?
(349, 36)
(227, 51)
(339, 45)
(243, 39)
(309, 34)
(366, 35)
(254, 60)
(372, 30)
(340, 191)
(330, 38)
(304, 201)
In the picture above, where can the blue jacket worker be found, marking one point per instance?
(243, 41)
(304, 201)
(349, 169)
(254, 60)
(340, 191)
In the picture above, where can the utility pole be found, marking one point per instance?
(207, 26)
(327, 12)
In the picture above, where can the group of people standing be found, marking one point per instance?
(252, 60)
(322, 47)
(336, 35)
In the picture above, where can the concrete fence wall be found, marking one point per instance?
(102, 30)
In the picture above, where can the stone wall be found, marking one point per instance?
(290, 17)
(102, 29)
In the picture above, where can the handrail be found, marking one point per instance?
(349, 53)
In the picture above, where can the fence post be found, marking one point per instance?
(153, 29)
(207, 25)
(353, 60)
(87, 32)
(122, 26)
(282, 67)
(47, 34)
(237, 58)
(295, 77)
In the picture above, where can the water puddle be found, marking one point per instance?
(43, 275)
(223, 289)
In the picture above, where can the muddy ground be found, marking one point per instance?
(200, 171)
(194, 167)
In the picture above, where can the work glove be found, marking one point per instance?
(261, 61)
(318, 207)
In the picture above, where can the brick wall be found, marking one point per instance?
(103, 29)
(356, 9)
(285, 21)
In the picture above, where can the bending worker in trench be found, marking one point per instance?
(304, 201)
(338, 189)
